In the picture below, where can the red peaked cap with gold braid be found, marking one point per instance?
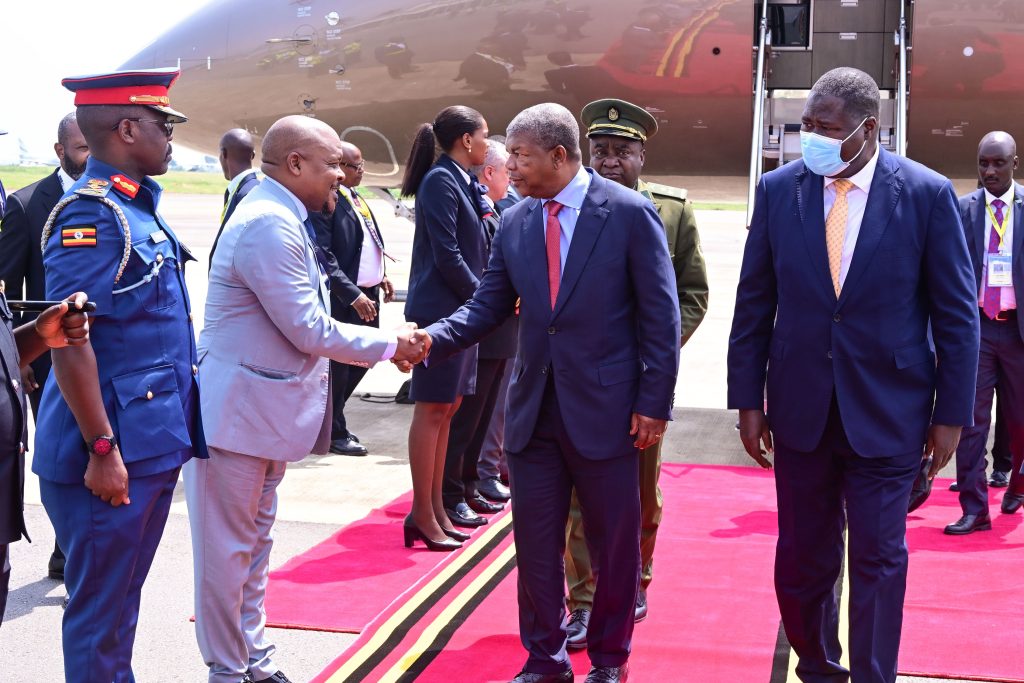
(144, 87)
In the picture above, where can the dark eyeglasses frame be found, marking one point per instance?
(167, 125)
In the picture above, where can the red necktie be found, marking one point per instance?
(993, 295)
(553, 236)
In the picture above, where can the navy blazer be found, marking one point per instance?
(449, 250)
(21, 261)
(246, 185)
(341, 238)
(909, 283)
(975, 220)
(611, 344)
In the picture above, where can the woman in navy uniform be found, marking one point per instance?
(58, 326)
(113, 434)
(448, 257)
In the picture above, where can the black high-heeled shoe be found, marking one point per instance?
(457, 535)
(412, 532)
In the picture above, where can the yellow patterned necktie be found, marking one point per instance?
(835, 230)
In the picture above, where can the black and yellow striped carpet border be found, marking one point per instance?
(395, 630)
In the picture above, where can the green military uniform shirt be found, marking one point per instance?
(684, 245)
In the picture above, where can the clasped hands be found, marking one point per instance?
(413, 346)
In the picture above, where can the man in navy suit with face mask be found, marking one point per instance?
(857, 309)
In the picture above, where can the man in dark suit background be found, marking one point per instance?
(237, 153)
(854, 261)
(472, 420)
(354, 249)
(994, 232)
(592, 381)
(21, 261)
(3, 192)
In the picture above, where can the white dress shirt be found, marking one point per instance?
(856, 201)
(571, 198)
(371, 258)
(1007, 297)
(66, 181)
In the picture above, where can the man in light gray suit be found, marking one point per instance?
(263, 354)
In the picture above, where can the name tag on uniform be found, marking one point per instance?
(1000, 270)
(158, 236)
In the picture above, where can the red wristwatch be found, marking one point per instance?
(102, 445)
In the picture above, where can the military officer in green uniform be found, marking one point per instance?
(618, 132)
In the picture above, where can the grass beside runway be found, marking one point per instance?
(178, 182)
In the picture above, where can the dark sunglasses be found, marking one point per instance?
(167, 125)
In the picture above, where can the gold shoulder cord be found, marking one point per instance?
(118, 213)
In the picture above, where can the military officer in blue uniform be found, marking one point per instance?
(58, 326)
(123, 416)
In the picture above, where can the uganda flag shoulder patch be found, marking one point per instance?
(78, 236)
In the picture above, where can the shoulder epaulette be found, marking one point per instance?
(94, 187)
(667, 191)
(119, 218)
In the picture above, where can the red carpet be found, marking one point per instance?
(347, 580)
(713, 612)
(961, 618)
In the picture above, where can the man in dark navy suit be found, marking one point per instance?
(592, 381)
(21, 260)
(237, 153)
(354, 250)
(853, 256)
(994, 231)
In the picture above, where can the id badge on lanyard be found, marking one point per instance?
(999, 267)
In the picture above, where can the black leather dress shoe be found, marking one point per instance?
(922, 487)
(608, 674)
(462, 515)
(348, 446)
(968, 524)
(576, 629)
(278, 677)
(527, 677)
(999, 480)
(483, 506)
(1011, 503)
(954, 487)
(640, 611)
(492, 489)
(55, 567)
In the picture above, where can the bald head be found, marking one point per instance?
(305, 155)
(236, 152)
(353, 162)
(997, 160)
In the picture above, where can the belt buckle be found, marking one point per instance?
(1002, 316)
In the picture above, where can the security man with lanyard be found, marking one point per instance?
(618, 132)
(109, 448)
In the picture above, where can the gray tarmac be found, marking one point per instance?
(323, 493)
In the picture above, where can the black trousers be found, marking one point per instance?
(345, 377)
(467, 431)
(1001, 460)
(5, 579)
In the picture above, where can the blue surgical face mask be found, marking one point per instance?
(822, 155)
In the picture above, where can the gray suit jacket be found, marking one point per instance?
(268, 334)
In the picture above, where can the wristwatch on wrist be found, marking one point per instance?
(102, 445)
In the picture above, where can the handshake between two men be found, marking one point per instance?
(413, 346)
